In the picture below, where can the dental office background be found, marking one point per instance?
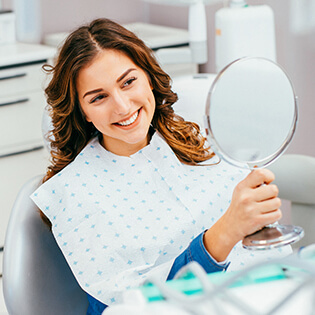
(295, 39)
(295, 46)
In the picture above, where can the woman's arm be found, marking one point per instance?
(95, 306)
(196, 251)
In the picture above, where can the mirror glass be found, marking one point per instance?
(251, 112)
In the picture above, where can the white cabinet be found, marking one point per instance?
(22, 98)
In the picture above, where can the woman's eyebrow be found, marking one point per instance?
(125, 74)
(92, 92)
(118, 80)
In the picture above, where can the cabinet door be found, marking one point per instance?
(20, 122)
(21, 79)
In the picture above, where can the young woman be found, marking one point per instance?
(133, 190)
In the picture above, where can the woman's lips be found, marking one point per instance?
(129, 122)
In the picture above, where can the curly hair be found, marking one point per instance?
(71, 132)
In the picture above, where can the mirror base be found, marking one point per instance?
(273, 236)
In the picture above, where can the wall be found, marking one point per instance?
(62, 16)
(72, 15)
(296, 53)
(296, 50)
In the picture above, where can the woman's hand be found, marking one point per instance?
(253, 206)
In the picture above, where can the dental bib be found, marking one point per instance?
(119, 220)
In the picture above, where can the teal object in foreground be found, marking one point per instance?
(189, 284)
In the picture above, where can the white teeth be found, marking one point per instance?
(130, 120)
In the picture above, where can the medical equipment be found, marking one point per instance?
(7, 27)
(28, 21)
(242, 31)
(251, 116)
(202, 290)
(197, 51)
(279, 286)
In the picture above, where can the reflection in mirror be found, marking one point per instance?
(251, 116)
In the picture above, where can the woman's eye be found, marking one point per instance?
(129, 81)
(97, 98)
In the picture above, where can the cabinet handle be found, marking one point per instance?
(22, 100)
(14, 76)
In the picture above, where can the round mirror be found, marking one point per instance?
(251, 116)
(251, 112)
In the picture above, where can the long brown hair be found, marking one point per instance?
(71, 132)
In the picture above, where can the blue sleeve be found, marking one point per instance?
(196, 251)
(95, 306)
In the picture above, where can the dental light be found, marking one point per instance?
(197, 51)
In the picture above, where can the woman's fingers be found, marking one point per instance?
(253, 204)
(266, 192)
(260, 221)
(268, 205)
(270, 217)
(259, 181)
(259, 177)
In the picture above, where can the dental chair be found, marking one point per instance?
(36, 277)
(295, 178)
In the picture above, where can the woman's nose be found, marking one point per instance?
(121, 103)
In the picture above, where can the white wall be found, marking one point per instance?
(69, 14)
(65, 15)
(296, 52)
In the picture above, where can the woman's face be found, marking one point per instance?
(116, 96)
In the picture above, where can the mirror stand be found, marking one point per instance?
(273, 236)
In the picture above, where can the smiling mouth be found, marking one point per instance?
(130, 120)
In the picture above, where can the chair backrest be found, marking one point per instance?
(36, 277)
(192, 91)
(295, 177)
